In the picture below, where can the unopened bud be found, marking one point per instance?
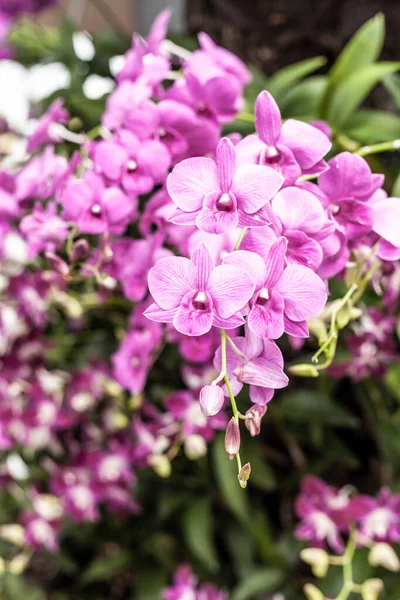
(318, 559)
(195, 446)
(371, 589)
(254, 417)
(18, 564)
(383, 555)
(304, 370)
(57, 264)
(161, 465)
(13, 533)
(232, 438)
(343, 316)
(80, 251)
(312, 592)
(244, 475)
(211, 400)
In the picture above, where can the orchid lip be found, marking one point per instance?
(263, 297)
(96, 210)
(132, 165)
(224, 203)
(270, 155)
(200, 301)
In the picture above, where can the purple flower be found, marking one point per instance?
(285, 296)
(194, 295)
(43, 229)
(185, 408)
(223, 59)
(137, 165)
(379, 518)
(260, 366)
(217, 196)
(348, 184)
(46, 130)
(293, 149)
(299, 216)
(325, 513)
(96, 208)
(39, 532)
(385, 216)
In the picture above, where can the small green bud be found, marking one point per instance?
(304, 370)
(383, 555)
(371, 589)
(244, 475)
(318, 559)
(161, 465)
(312, 592)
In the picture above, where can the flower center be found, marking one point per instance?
(96, 210)
(224, 203)
(334, 208)
(271, 156)
(132, 166)
(263, 297)
(200, 301)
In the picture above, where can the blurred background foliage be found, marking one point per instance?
(341, 431)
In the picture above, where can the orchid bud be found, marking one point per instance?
(383, 555)
(211, 400)
(254, 417)
(57, 263)
(80, 250)
(161, 465)
(312, 592)
(18, 564)
(318, 559)
(371, 589)
(195, 446)
(13, 533)
(232, 438)
(244, 475)
(304, 370)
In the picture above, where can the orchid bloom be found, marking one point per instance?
(217, 196)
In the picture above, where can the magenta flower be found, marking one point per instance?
(379, 518)
(46, 130)
(299, 216)
(137, 165)
(194, 295)
(385, 217)
(348, 184)
(43, 229)
(223, 59)
(217, 196)
(293, 149)
(325, 513)
(96, 208)
(285, 296)
(39, 532)
(262, 367)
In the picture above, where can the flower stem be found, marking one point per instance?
(348, 583)
(241, 236)
(378, 148)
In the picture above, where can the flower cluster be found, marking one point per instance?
(186, 587)
(161, 231)
(328, 514)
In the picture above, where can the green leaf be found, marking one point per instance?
(256, 582)
(262, 475)
(389, 442)
(396, 194)
(149, 582)
(363, 49)
(198, 532)
(105, 567)
(304, 99)
(392, 84)
(353, 90)
(227, 481)
(312, 407)
(392, 378)
(373, 126)
(284, 80)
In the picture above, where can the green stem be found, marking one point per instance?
(235, 348)
(378, 148)
(241, 236)
(348, 583)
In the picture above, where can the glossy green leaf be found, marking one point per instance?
(373, 126)
(198, 532)
(363, 49)
(107, 566)
(256, 582)
(352, 91)
(392, 84)
(226, 476)
(284, 80)
(304, 99)
(313, 407)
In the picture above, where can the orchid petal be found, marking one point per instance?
(303, 291)
(268, 118)
(386, 219)
(250, 263)
(226, 162)
(255, 185)
(299, 209)
(275, 261)
(231, 288)
(170, 279)
(191, 321)
(307, 143)
(190, 181)
(201, 257)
